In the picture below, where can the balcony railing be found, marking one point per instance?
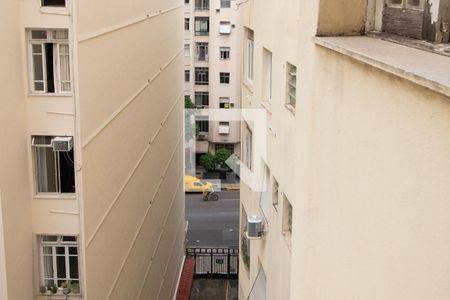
(201, 33)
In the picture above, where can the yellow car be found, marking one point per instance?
(194, 185)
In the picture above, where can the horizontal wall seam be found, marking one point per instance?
(122, 188)
(113, 116)
(105, 31)
(64, 212)
(159, 239)
(60, 113)
(141, 224)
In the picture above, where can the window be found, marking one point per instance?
(267, 75)
(57, 3)
(224, 127)
(291, 84)
(54, 170)
(224, 77)
(187, 75)
(186, 24)
(59, 260)
(275, 190)
(225, 28)
(224, 102)
(265, 192)
(201, 76)
(187, 50)
(287, 216)
(49, 61)
(201, 99)
(248, 147)
(245, 242)
(229, 147)
(250, 55)
(201, 51)
(186, 1)
(404, 17)
(202, 125)
(224, 52)
(201, 26)
(201, 4)
(225, 3)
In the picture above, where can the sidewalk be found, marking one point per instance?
(217, 289)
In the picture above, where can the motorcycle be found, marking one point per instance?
(210, 196)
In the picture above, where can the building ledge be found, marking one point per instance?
(420, 67)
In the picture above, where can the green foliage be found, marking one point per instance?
(191, 131)
(221, 156)
(188, 102)
(207, 161)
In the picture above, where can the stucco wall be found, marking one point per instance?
(16, 252)
(130, 62)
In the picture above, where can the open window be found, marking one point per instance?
(49, 61)
(53, 165)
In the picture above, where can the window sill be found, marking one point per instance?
(420, 67)
(55, 197)
(50, 95)
(58, 296)
(62, 11)
(290, 108)
(267, 106)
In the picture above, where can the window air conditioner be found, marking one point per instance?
(254, 228)
(202, 136)
(62, 143)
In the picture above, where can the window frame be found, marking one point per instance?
(224, 77)
(201, 73)
(35, 148)
(250, 55)
(187, 75)
(57, 53)
(187, 24)
(291, 83)
(198, 27)
(225, 53)
(267, 74)
(225, 3)
(60, 243)
(65, 4)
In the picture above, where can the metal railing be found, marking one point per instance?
(215, 263)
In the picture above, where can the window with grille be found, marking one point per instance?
(224, 52)
(224, 77)
(201, 99)
(59, 260)
(201, 26)
(225, 3)
(49, 61)
(291, 84)
(201, 51)
(54, 170)
(187, 75)
(201, 4)
(201, 76)
(186, 23)
(202, 125)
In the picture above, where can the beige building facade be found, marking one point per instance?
(212, 71)
(92, 149)
(355, 174)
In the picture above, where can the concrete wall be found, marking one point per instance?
(131, 112)
(365, 164)
(15, 206)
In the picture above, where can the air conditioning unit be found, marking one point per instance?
(62, 143)
(202, 136)
(254, 228)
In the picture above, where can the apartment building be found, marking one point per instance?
(212, 71)
(91, 154)
(355, 172)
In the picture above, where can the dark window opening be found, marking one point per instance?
(67, 175)
(49, 69)
(57, 3)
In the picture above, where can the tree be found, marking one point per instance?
(221, 156)
(191, 131)
(207, 161)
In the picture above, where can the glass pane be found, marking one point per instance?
(60, 250)
(73, 250)
(48, 266)
(47, 238)
(64, 67)
(61, 266)
(38, 68)
(37, 48)
(47, 250)
(46, 170)
(39, 86)
(61, 34)
(69, 238)
(73, 263)
(39, 34)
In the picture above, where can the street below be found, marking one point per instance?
(213, 223)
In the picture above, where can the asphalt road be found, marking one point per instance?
(213, 223)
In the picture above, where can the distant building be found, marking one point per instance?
(356, 177)
(212, 55)
(91, 149)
